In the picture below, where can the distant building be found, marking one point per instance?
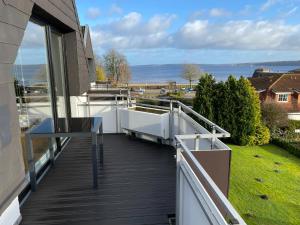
(280, 88)
(264, 72)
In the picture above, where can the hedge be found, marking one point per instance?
(291, 147)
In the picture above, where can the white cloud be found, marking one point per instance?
(217, 12)
(131, 31)
(93, 13)
(268, 4)
(128, 22)
(160, 23)
(34, 37)
(292, 11)
(115, 9)
(242, 35)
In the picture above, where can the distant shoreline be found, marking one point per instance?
(270, 63)
(162, 74)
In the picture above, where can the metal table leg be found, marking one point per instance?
(31, 163)
(101, 153)
(94, 160)
(51, 150)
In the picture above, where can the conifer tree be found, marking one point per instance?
(235, 106)
(203, 102)
(231, 96)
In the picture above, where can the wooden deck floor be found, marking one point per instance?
(136, 186)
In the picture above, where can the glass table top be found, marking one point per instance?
(72, 125)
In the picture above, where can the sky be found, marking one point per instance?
(194, 31)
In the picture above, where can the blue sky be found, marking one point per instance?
(193, 31)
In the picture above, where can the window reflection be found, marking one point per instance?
(32, 85)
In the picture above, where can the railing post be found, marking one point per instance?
(179, 121)
(117, 114)
(197, 143)
(178, 184)
(171, 122)
(128, 98)
(88, 105)
(31, 162)
(213, 139)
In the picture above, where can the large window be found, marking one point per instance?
(283, 97)
(58, 73)
(40, 84)
(32, 85)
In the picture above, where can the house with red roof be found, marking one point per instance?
(280, 88)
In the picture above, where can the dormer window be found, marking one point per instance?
(283, 97)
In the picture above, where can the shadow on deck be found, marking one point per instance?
(136, 186)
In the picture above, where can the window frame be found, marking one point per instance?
(282, 96)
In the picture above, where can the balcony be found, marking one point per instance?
(161, 164)
(137, 185)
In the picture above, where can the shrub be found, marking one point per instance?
(291, 147)
(262, 135)
(177, 95)
(274, 116)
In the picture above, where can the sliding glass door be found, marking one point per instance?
(41, 85)
(33, 86)
(58, 71)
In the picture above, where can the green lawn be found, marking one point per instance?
(279, 174)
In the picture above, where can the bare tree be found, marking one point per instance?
(124, 70)
(191, 72)
(116, 66)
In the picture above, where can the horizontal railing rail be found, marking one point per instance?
(232, 216)
(220, 132)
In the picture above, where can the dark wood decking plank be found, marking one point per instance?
(136, 186)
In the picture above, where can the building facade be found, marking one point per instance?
(45, 57)
(283, 89)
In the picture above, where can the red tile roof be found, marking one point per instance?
(264, 82)
(287, 83)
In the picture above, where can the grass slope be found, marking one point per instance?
(282, 188)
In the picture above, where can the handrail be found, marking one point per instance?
(233, 215)
(222, 132)
(153, 106)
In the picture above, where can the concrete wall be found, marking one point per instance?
(14, 16)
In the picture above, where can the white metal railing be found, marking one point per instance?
(219, 132)
(222, 214)
(204, 196)
(193, 193)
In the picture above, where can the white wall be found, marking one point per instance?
(294, 116)
(195, 206)
(104, 109)
(144, 122)
(12, 215)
